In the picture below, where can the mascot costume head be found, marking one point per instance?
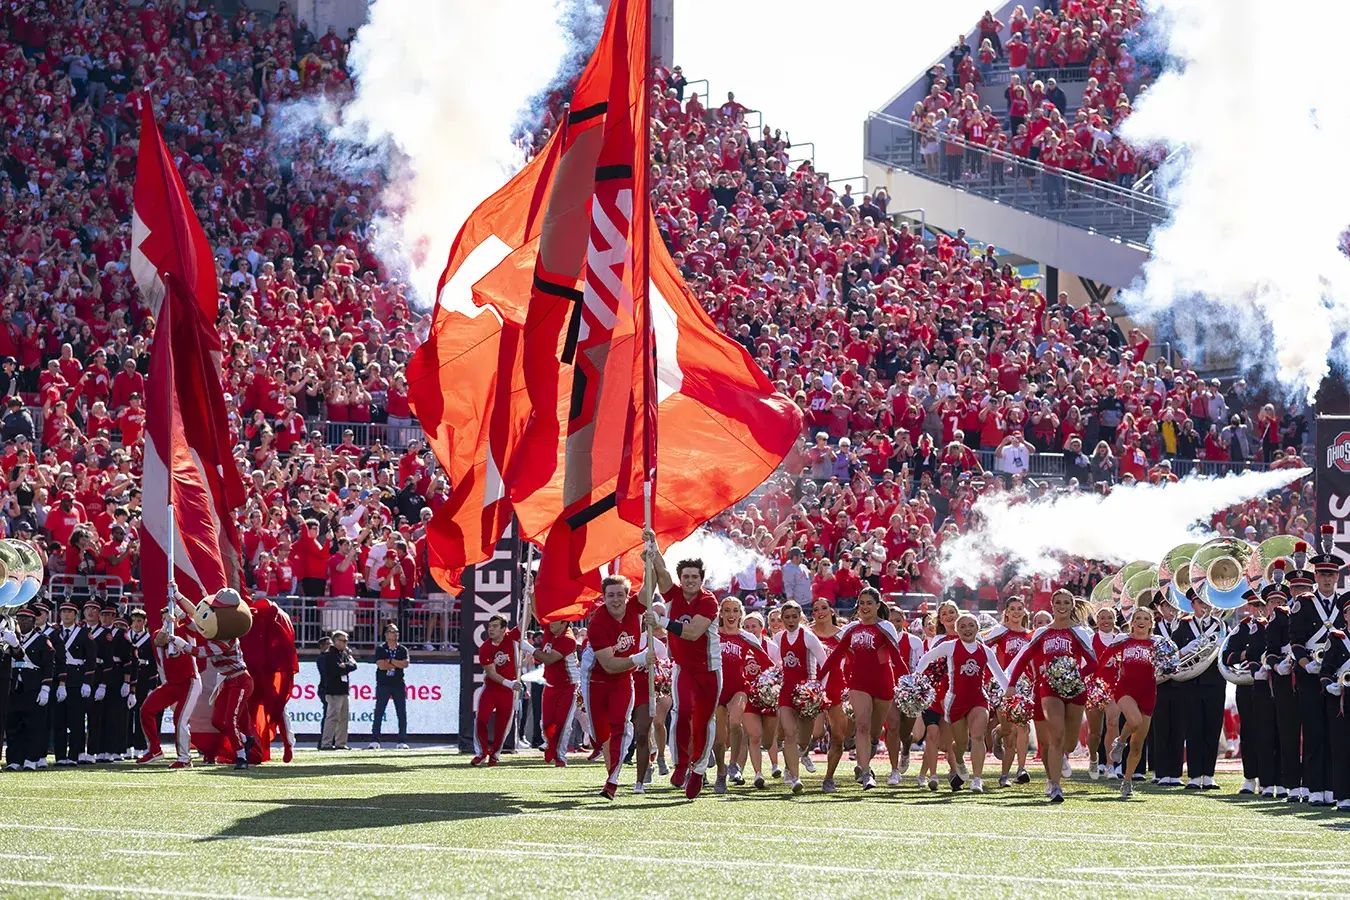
(223, 616)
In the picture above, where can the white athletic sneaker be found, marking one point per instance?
(401, 746)
(807, 764)
(1093, 774)
(904, 761)
(893, 779)
(797, 786)
(920, 782)
(639, 788)
(373, 745)
(1066, 770)
(1118, 747)
(775, 772)
(1248, 786)
(977, 786)
(962, 770)
(1003, 781)
(30, 765)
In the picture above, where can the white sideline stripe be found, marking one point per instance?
(125, 889)
(43, 856)
(907, 835)
(264, 848)
(135, 852)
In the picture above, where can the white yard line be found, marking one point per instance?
(126, 890)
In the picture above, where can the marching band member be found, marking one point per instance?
(825, 626)
(1135, 690)
(1169, 715)
(735, 645)
(1245, 645)
(1205, 693)
(1311, 621)
(93, 707)
(143, 676)
(1263, 697)
(1103, 724)
(79, 672)
(1008, 639)
(559, 702)
(802, 655)
(1064, 636)
(969, 664)
(697, 669)
(1279, 660)
(496, 702)
(615, 645)
(114, 652)
(899, 727)
(870, 647)
(30, 688)
(759, 723)
(1335, 673)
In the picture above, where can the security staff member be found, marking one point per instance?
(144, 677)
(1311, 621)
(30, 689)
(75, 683)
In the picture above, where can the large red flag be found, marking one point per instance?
(188, 464)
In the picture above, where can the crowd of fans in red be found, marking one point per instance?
(918, 363)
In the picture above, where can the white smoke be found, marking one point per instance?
(723, 559)
(1140, 521)
(442, 88)
(1257, 120)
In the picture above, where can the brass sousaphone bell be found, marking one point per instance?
(1218, 573)
(1174, 574)
(32, 572)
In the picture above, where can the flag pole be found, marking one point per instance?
(648, 345)
(526, 609)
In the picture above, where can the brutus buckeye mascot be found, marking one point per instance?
(215, 626)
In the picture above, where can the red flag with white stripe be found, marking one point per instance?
(188, 464)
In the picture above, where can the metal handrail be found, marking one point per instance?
(800, 159)
(707, 89)
(758, 126)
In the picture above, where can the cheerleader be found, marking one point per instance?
(899, 727)
(760, 723)
(969, 664)
(1135, 690)
(1065, 636)
(1007, 639)
(644, 729)
(802, 654)
(735, 646)
(871, 648)
(1103, 721)
(825, 626)
(937, 733)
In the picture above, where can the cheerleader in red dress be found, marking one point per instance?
(1103, 720)
(870, 647)
(900, 728)
(1007, 640)
(1064, 636)
(802, 655)
(825, 626)
(1136, 691)
(937, 731)
(759, 723)
(735, 647)
(968, 665)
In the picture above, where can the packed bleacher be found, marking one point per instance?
(928, 370)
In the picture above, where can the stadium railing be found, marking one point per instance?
(429, 622)
(365, 433)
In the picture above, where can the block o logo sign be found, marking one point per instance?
(1338, 454)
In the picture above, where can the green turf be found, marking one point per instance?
(425, 824)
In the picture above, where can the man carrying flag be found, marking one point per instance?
(697, 658)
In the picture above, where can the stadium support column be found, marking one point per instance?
(663, 31)
(1051, 283)
(491, 588)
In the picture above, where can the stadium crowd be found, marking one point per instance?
(928, 371)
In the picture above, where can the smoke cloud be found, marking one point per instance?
(722, 558)
(444, 92)
(1141, 521)
(1257, 122)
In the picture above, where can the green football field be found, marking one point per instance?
(425, 824)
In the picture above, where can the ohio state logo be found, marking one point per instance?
(790, 661)
(1016, 644)
(500, 659)
(752, 668)
(624, 642)
(863, 639)
(970, 667)
(1338, 454)
(731, 649)
(1057, 645)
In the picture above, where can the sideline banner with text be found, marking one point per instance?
(491, 588)
(1332, 468)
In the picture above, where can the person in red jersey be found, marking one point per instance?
(615, 646)
(697, 664)
(760, 723)
(871, 647)
(1103, 721)
(737, 649)
(899, 727)
(1008, 639)
(1136, 692)
(969, 665)
(825, 626)
(496, 703)
(938, 628)
(562, 673)
(801, 655)
(1064, 636)
(179, 687)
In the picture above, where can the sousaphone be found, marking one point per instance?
(1174, 570)
(1218, 574)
